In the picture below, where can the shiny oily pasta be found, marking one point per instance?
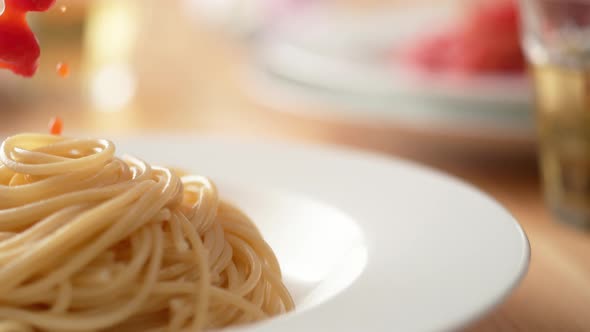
(93, 242)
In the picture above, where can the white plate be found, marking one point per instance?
(367, 243)
(342, 59)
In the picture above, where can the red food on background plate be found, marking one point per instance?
(485, 41)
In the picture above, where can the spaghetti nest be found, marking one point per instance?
(92, 242)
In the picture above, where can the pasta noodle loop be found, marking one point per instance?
(93, 242)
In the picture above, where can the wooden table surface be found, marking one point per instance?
(202, 92)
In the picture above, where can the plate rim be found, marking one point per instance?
(336, 151)
(505, 107)
(299, 99)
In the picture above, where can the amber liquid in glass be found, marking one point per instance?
(563, 118)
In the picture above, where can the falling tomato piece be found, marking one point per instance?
(63, 69)
(55, 126)
(19, 50)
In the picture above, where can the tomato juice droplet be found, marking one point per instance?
(62, 69)
(55, 126)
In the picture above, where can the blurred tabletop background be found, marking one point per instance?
(157, 66)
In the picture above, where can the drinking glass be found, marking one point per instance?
(556, 40)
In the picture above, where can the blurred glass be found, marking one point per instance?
(244, 18)
(110, 42)
(556, 39)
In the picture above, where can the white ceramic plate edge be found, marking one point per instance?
(349, 160)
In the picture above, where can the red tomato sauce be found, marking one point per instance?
(19, 49)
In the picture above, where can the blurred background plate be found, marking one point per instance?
(344, 59)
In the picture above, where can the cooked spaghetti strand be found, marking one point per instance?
(90, 241)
